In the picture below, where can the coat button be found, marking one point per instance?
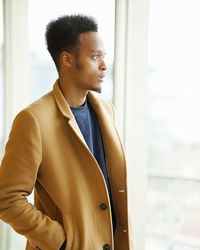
(106, 247)
(103, 206)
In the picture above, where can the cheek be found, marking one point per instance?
(88, 68)
(91, 70)
(92, 65)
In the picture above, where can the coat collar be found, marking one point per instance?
(61, 102)
(67, 113)
(65, 108)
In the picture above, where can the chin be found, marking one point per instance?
(97, 89)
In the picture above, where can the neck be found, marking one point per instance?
(75, 97)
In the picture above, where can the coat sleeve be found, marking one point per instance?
(18, 173)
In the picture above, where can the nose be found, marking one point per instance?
(103, 66)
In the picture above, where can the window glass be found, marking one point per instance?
(173, 216)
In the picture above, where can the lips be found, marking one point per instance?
(101, 76)
(100, 79)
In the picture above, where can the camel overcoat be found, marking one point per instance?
(47, 153)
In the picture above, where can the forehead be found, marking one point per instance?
(90, 42)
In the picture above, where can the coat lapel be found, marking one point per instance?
(66, 112)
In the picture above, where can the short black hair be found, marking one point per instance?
(63, 33)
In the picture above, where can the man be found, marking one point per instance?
(65, 147)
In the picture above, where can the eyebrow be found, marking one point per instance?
(98, 51)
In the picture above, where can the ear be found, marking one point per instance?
(66, 59)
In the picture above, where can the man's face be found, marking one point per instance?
(89, 67)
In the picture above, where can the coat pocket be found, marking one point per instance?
(69, 228)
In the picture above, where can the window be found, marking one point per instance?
(174, 136)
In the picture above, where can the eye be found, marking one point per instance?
(95, 57)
